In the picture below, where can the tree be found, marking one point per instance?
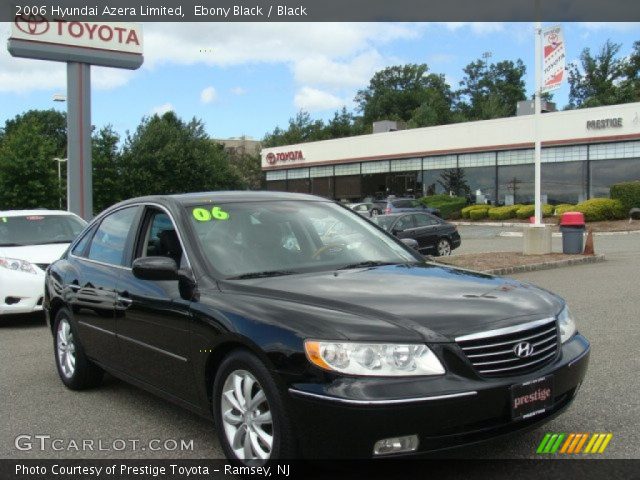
(248, 169)
(631, 84)
(491, 91)
(166, 155)
(108, 170)
(453, 180)
(28, 145)
(396, 93)
(598, 80)
(301, 129)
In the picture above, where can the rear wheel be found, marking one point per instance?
(76, 371)
(249, 412)
(443, 248)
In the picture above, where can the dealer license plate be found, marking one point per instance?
(531, 398)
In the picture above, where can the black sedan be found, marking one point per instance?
(433, 234)
(232, 304)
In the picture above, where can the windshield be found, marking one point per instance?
(284, 237)
(384, 221)
(39, 229)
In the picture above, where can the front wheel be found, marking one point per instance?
(251, 421)
(443, 248)
(76, 371)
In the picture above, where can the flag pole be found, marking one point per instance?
(537, 113)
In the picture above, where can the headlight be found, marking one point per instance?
(373, 359)
(17, 265)
(567, 325)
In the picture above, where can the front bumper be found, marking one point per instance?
(345, 418)
(21, 292)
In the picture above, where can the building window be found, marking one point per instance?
(406, 164)
(515, 184)
(276, 175)
(298, 173)
(605, 173)
(564, 154)
(431, 181)
(348, 169)
(277, 186)
(483, 159)
(614, 150)
(515, 157)
(321, 171)
(483, 179)
(375, 167)
(301, 185)
(440, 162)
(564, 182)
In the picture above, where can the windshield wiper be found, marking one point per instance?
(269, 273)
(368, 263)
(12, 244)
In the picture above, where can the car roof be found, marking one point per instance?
(225, 197)
(41, 212)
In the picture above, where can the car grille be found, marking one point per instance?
(493, 353)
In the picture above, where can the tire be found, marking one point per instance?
(231, 415)
(76, 371)
(443, 247)
(375, 212)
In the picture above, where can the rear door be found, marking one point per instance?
(404, 227)
(153, 320)
(426, 230)
(96, 263)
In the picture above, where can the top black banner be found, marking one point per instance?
(325, 10)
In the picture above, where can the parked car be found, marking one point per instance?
(433, 234)
(365, 209)
(397, 205)
(230, 304)
(29, 241)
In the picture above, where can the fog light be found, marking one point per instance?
(391, 445)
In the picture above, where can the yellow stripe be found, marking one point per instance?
(598, 442)
(591, 442)
(567, 442)
(584, 439)
(607, 439)
(575, 442)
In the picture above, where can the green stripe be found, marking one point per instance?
(558, 443)
(543, 443)
(550, 443)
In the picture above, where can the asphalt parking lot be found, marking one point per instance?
(603, 297)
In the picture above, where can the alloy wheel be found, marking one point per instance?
(246, 416)
(444, 248)
(66, 348)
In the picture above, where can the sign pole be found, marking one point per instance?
(79, 181)
(537, 113)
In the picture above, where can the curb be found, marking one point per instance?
(543, 266)
(559, 234)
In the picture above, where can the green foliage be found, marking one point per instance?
(628, 193)
(248, 170)
(527, 211)
(449, 206)
(466, 211)
(564, 207)
(28, 173)
(453, 180)
(478, 213)
(108, 169)
(166, 155)
(503, 213)
(599, 209)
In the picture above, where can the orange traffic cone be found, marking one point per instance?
(588, 246)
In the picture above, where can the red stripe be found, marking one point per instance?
(81, 130)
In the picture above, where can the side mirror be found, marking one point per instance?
(410, 242)
(155, 268)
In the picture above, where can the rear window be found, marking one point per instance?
(403, 203)
(39, 229)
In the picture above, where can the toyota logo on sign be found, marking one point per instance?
(32, 24)
(271, 158)
(523, 349)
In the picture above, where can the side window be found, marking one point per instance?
(404, 223)
(109, 240)
(403, 204)
(361, 208)
(160, 238)
(80, 248)
(424, 221)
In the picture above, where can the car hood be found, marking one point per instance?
(48, 253)
(437, 302)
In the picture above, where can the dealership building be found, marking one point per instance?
(584, 152)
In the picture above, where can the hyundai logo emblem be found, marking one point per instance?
(32, 24)
(523, 349)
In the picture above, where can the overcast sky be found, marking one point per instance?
(244, 79)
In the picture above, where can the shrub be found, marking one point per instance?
(503, 213)
(526, 211)
(449, 206)
(466, 210)
(598, 209)
(564, 207)
(628, 193)
(478, 213)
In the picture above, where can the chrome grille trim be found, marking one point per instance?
(492, 352)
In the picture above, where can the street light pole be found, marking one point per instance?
(60, 161)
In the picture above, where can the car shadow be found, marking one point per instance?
(23, 320)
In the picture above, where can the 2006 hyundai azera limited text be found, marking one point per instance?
(248, 307)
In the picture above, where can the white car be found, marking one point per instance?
(30, 240)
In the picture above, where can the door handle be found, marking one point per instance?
(75, 287)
